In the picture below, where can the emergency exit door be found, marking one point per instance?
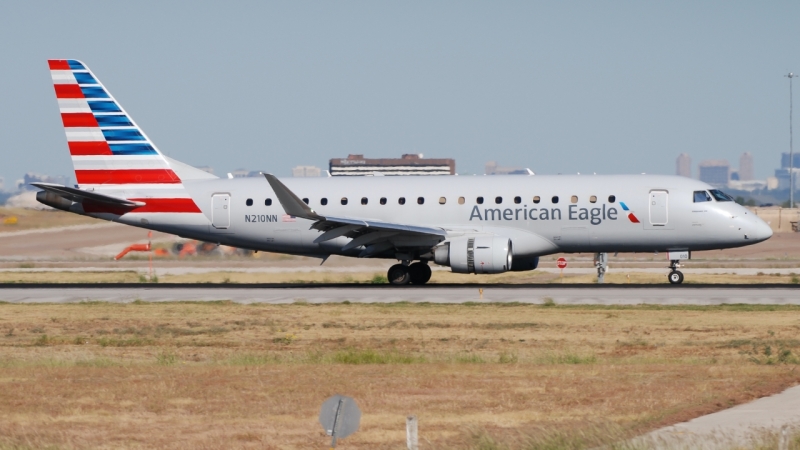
(658, 208)
(221, 211)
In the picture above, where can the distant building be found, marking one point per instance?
(683, 165)
(783, 177)
(785, 160)
(244, 173)
(492, 168)
(409, 164)
(715, 172)
(306, 171)
(748, 185)
(239, 173)
(746, 167)
(772, 183)
(206, 169)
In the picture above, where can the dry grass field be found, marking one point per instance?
(29, 219)
(620, 276)
(479, 376)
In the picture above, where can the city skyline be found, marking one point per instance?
(559, 88)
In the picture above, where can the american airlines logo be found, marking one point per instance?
(631, 216)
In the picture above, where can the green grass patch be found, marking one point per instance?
(354, 356)
(133, 342)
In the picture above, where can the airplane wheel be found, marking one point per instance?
(398, 275)
(675, 277)
(419, 272)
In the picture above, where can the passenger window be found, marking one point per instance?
(305, 200)
(249, 202)
(479, 200)
(593, 199)
(420, 200)
(364, 200)
(498, 200)
(518, 200)
(536, 199)
(383, 200)
(701, 196)
(268, 202)
(554, 199)
(442, 200)
(612, 198)
(461, 200)
(323, 201)
(344, 200)
(401, 200)
(574, 199)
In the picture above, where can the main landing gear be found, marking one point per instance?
(675, 276)
(416, 273)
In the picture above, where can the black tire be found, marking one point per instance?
(398, 275)
(675, 277)
(419, 272)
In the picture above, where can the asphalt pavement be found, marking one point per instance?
(276, 294)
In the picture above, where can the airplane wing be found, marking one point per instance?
(376, 236)
(78, 195)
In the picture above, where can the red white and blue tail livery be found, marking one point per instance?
(110, 153)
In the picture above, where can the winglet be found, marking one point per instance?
(290, 202)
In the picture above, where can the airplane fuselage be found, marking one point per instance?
(540, 214)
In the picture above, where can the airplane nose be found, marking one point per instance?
(761, 231)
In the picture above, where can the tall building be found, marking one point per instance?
(306, 171)
(746, 168)
(491, 168)
(715, 172)
(683, 165)
(409, 164)
(785, 160)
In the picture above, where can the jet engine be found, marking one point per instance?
(480, 254)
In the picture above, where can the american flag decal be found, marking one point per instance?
(287, 218)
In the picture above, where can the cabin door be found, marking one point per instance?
(658, 208)
(221, 211)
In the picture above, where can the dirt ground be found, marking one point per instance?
(200, 375)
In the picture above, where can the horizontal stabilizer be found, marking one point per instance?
(78, 195)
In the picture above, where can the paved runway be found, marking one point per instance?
(731, 428)
(567, 295)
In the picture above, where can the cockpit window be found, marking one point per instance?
(721, 196)
(701, 196)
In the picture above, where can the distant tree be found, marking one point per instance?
(750, 202)
(739, 200)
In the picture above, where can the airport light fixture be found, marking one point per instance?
(791, 152)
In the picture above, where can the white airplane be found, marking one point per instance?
(480, 225)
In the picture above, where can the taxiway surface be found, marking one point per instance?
(566, 295)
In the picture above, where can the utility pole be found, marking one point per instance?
(791, 152)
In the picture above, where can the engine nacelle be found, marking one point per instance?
(53, 200)
(480, 254)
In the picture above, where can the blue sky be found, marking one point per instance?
(560, 87)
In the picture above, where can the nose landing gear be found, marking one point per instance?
(675, 276)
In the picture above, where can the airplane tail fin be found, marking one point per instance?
(109, 151)
(106, 145)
